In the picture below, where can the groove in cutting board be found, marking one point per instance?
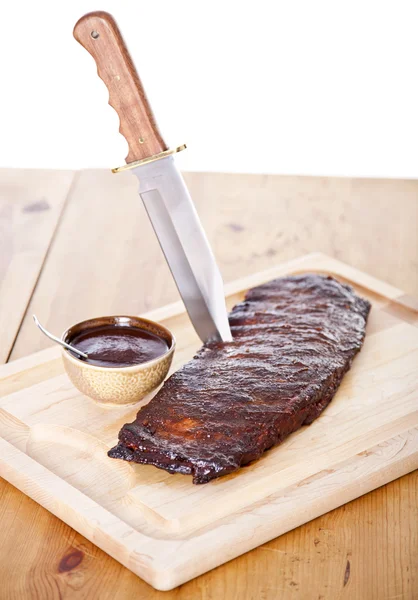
(161, 526)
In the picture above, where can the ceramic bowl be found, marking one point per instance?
(118, 385)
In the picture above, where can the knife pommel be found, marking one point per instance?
(99, 34)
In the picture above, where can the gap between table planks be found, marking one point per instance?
(31, 204)
(381, 463)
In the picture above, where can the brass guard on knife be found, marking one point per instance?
(149, 159)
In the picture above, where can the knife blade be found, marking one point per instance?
(161, 185)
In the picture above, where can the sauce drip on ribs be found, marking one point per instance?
(293, 340)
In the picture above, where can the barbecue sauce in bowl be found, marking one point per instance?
(119, 345)
(127, 358)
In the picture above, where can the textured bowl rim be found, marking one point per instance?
(131, 369)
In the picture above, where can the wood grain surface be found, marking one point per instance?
(253, 222)
(31, 204)
(100, 35)
(366, 549)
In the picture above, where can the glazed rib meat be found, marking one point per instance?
(293, 340)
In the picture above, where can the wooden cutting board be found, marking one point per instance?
(163, 528)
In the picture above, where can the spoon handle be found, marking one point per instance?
(58, 340)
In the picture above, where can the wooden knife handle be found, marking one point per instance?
(100, 35)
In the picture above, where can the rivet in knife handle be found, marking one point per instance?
(99, 34)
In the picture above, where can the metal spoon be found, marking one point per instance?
(58, 340)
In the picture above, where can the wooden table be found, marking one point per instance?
(78, 244)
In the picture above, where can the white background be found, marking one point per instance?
(305, 87)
